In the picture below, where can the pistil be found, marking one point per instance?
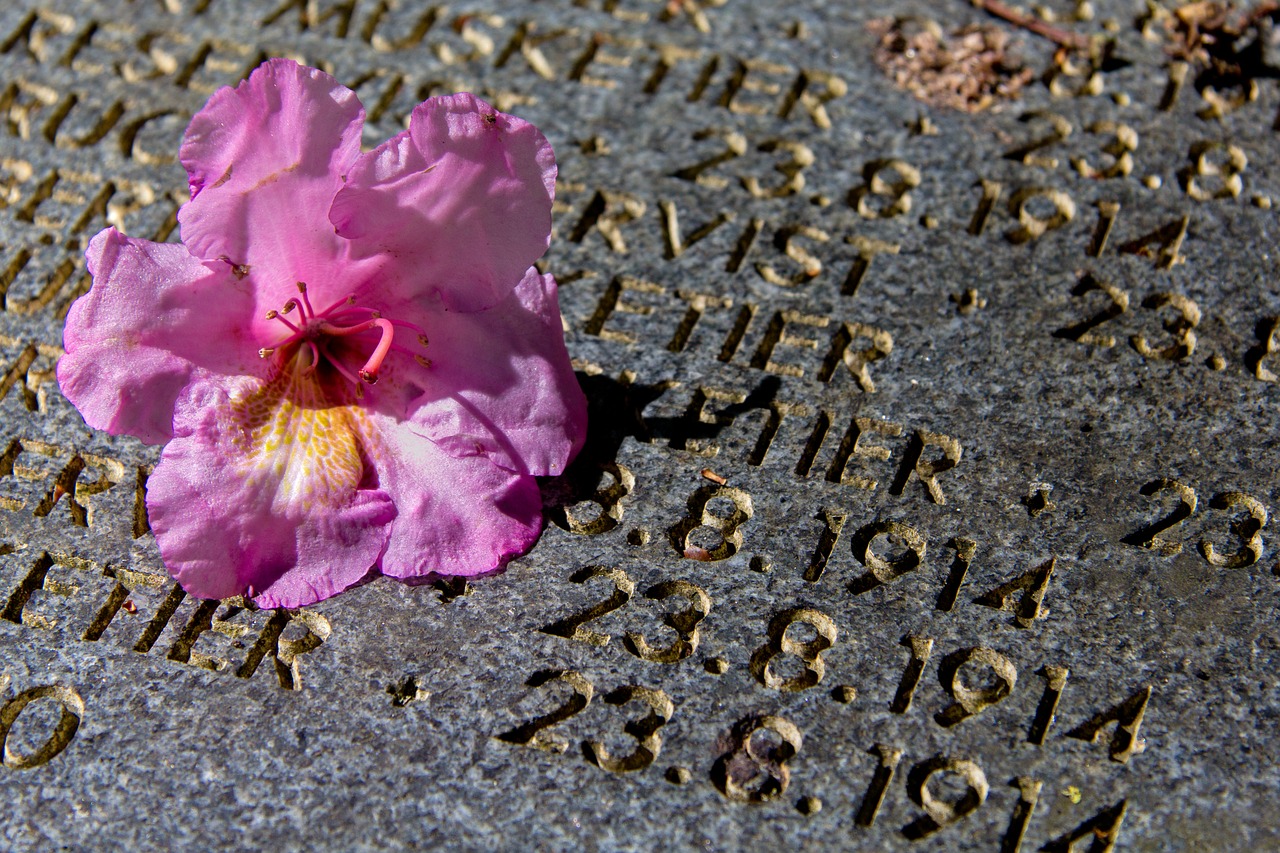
(313, 328)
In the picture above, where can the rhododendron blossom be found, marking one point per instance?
(349, 357)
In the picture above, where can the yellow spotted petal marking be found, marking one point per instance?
(290, 432)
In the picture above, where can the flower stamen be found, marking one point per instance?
(314, 328)
(275, 315)
(346, 300)
(315, 359)
(306, 301)
(346, 374)
(369, 373)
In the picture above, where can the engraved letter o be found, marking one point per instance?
(72, 710)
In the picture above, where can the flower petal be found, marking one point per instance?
(264, 160)
(456, 516)
(460, 203)
(263, 490)
(500, 383)
(154, 313)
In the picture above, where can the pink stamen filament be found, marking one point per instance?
(346, 374)
(401, 323)
(346, 300)
(315, 358)
(313, 326)
(369, 372)
(275, 315)
(306, 301)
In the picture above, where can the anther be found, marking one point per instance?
(265, 351)
(425, 362)
(422, 339)
(289, 306)
(272, 314)
(306, 302)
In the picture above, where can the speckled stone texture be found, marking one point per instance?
(919, 455)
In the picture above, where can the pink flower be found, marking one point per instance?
(349, 355)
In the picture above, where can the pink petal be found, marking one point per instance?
(154, 313)
(460, 203)
(456, 516)
(264, 161)
(500, 383)
(230, 516)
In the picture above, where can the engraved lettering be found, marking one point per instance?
(1028, 796)
(940, 813)
(1023, 205)
(685, 623)
(72, 707)
(1127, 716)
(571, 627)
(607, 212)
(889, 758)
(915, 464)
(675, 242)
(1168, 236)
(832, 523)
(1220, 161)
(1149, 535)
(645, 730)
(970, 701)
(1033, 584)
(1180, 327)
(889, 181)
(1055, 680)
(1059, 129)
(785, 241)
(608, 498)
(867, 249)
(857, 361)
(727, 529)
(881, 570)
(853, 445)
(755, 769)
(776, 334)
(965, 550)
(809, 652)
(1102, 830)
(1084, 330)
(612, 302)
(533, 732)
(991, 191)
(921, 648)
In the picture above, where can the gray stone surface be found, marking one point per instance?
(389, 734)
